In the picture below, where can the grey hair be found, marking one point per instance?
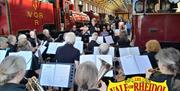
(69, 38)
(22, 36)
(3, 40)
(45, 31)
(104, 48)
(11, 39)
(169, 57)
(10, 67)
(86, 75)
(24, 45)
(94, 36)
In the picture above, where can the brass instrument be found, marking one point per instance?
(33, 84)
(105, 67)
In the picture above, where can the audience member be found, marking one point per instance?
(104, 32)
(109, 29)
(12, 71)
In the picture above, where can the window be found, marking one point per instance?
(86, 8)
(91, 7)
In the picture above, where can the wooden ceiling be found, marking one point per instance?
(114, 5)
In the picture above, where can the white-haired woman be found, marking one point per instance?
(104, 48)
(68, 53)
(169, 68)
(86, 77)
(12, 71)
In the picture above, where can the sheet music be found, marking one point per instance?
(134, 51)
(109, 39)
(111, 51)
(99, 39)
(42, 48)
(84, 58)
(108, 59)
(79, 46)
(56, 75)
(62, 74)
(143, 63)
(2, 55)
(47, 75)
(27, 55)
(78, 38)
(129, 65)
(53, 47)
(129, 51)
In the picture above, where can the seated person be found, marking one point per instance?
(86, 77)
(68, 53)
(47, 37)
(75, 30)
(169, 68)
(104, 49)
(22, 36)
(33, 39)
(12, 43)
(12, 71)
(123, 40)
(152, 47)
(93, 42)
(104, 32)
(3, 43)
(25, 45)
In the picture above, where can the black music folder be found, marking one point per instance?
(57, 75)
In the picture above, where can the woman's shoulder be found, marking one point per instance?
(12, 87)
(160, 77)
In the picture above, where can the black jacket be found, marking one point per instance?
(151, 56)
(67, 54)
(12, 87)
(91, 45)
(171, 80)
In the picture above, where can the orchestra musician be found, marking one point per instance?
(67, 53)
(12, 43)
(152, 47)
(3, 43)
(169, 68)
(12, 71)
(104, 48)
(93, 42)
(86, 78)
